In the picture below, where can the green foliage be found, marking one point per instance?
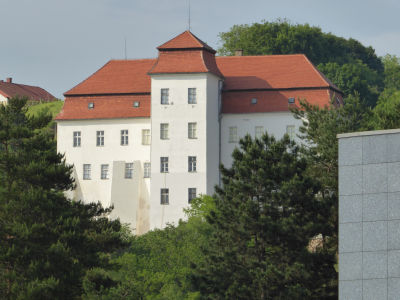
(386, 114)
(392, 72)
(265, 215)
(158, 263)
(354, 68)
(282, 37)
(52, 108)
(47, 243)
(355, 78)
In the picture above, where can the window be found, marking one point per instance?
(104, 172)
(291, 100)
(77, 138)
(91, 105)
(145, 136)
(146, 170)
(253, 101)
(233, 137)
(86, 171)
(290, 131)
(164, 96)
(164, 196)
(164, 164)
(124, 137)
(128, 170)
(136, 103)
(192, 96)
(191, 194)
(259, 132)
(100, 138)
(164, 131)
(192, 161)
(192, 130)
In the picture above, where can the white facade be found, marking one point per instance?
(3, 100)
(137, 200)
(275, 123)
(178, 146)
(129, 196)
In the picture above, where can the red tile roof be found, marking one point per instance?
(272, 79)
(186, 40)
(117, 77)
(8, 90)
(185, 61)
(105, 107)
(271, 101)
(270, 72)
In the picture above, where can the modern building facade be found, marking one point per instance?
(148, 135)
(369, 215)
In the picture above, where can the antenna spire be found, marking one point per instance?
(125, 48)
(189, 16)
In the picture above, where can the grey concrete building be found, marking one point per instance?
(369, 215)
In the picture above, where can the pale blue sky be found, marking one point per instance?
(56, 44)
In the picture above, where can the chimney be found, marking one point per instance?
(239, 52)
(9, 80)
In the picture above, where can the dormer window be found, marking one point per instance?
(136, 104)
(291, 100)
(91, 105)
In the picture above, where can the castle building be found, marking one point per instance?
(148, 135)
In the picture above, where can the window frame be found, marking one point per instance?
(258, 134)
(291, 131)
(164, 196)
(146, 170)
(100, 138)
(128, 174)
(124, 137)
(104, 171)
(192, 96)
(164, 164)
(164, 131)
(190, 194)
(192, 130)
(146, 137)
(164, 96)
(76, 136)
(192, 164)
(233, 134)
(86, 174)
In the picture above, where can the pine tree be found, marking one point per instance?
(47, 242)
(265, 214)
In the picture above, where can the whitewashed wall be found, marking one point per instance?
(97, 189)
(178, 113)
(3, 99)
(274, 123)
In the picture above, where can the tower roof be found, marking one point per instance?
(186, 40)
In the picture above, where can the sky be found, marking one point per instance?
(56, 44)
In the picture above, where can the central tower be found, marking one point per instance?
(185, 102)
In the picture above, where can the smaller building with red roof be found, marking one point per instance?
(9, 89)
(148, 135)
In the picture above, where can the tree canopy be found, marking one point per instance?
(354, 68)
(47, 242)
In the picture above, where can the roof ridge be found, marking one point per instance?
(261, 55)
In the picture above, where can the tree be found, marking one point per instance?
(265, 214)
(282, 37)
(355, 78)
(47, 242)
(353, 67)
(157, 265)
